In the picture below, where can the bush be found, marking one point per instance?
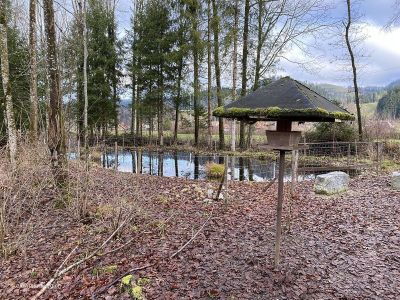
(214, 170)
(328, 132)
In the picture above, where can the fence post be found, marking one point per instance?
(377, 157)
(348, 155)
(226, 168)
(78, 152)
(355, 143)
(116, 155)
(295, 164)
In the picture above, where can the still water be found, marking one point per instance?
(192, 166)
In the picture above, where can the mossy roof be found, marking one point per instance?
(284, 99)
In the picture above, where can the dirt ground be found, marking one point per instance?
(337, 247)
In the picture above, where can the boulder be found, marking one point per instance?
(331, 183)
(395, 181)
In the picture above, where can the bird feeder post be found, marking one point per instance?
(279, 207)
(284, 101)
(281, 126)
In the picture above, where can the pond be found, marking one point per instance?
(193, 166)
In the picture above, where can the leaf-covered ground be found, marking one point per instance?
(338, 247)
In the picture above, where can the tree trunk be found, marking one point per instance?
(234, 71)
(218, 72)
(114, 81)
(161, 109)
(259, 46)
(242, 141)
(133, 108)
(85, 84)
(5, 74)
(33, 72)
(56, 137)
(176, 124)
(178, 100)
(353, 65)
(209, 78)
(196, 83)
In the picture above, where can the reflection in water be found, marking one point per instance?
(188, 165)
(241, 168)
(196, 166)
(176, 164)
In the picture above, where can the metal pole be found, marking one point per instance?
(279, 206)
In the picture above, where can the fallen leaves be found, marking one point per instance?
(345, 246)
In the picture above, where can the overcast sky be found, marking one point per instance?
(382, 48)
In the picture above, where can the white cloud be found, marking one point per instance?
(380, 67)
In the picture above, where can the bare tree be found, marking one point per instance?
(354, 69)
(395, 18)
(33, 71)
(5, 73)
(56, 137)
(283, 25)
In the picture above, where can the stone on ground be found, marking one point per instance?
(396, 180)
(331, 183)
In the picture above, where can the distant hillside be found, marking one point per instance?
(345, 95)
(393, 84)
(389, 105)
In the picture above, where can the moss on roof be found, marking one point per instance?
(286, 99)
(274, 113)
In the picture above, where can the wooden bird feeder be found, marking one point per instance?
(284, 101)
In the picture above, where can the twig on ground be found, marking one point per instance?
(193, 237)
(60, 271)
(104, 288)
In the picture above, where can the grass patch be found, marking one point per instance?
(215, 171)
(104, 270)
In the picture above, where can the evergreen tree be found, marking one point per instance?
(18, 58)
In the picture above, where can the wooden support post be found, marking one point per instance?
(116, 155)
(279, 207)
(233, 135)
(348, 157)
(295, 164)
(78, 152)
(226, 169)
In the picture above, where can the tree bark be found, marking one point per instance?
(218, 72)
(209, 76)
(178, 100)
(33, 72)
(354, 68)
(85, 83)
(194, 7)
(242, 141)
(161, 109)
(5, 73)
(234, 71)
(56, 137)
(259, 45)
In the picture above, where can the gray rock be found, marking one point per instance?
(331, 183)
(395, 181)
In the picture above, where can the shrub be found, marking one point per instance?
(328, 132)
(214, 170)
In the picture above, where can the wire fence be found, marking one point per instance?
(314, 159)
